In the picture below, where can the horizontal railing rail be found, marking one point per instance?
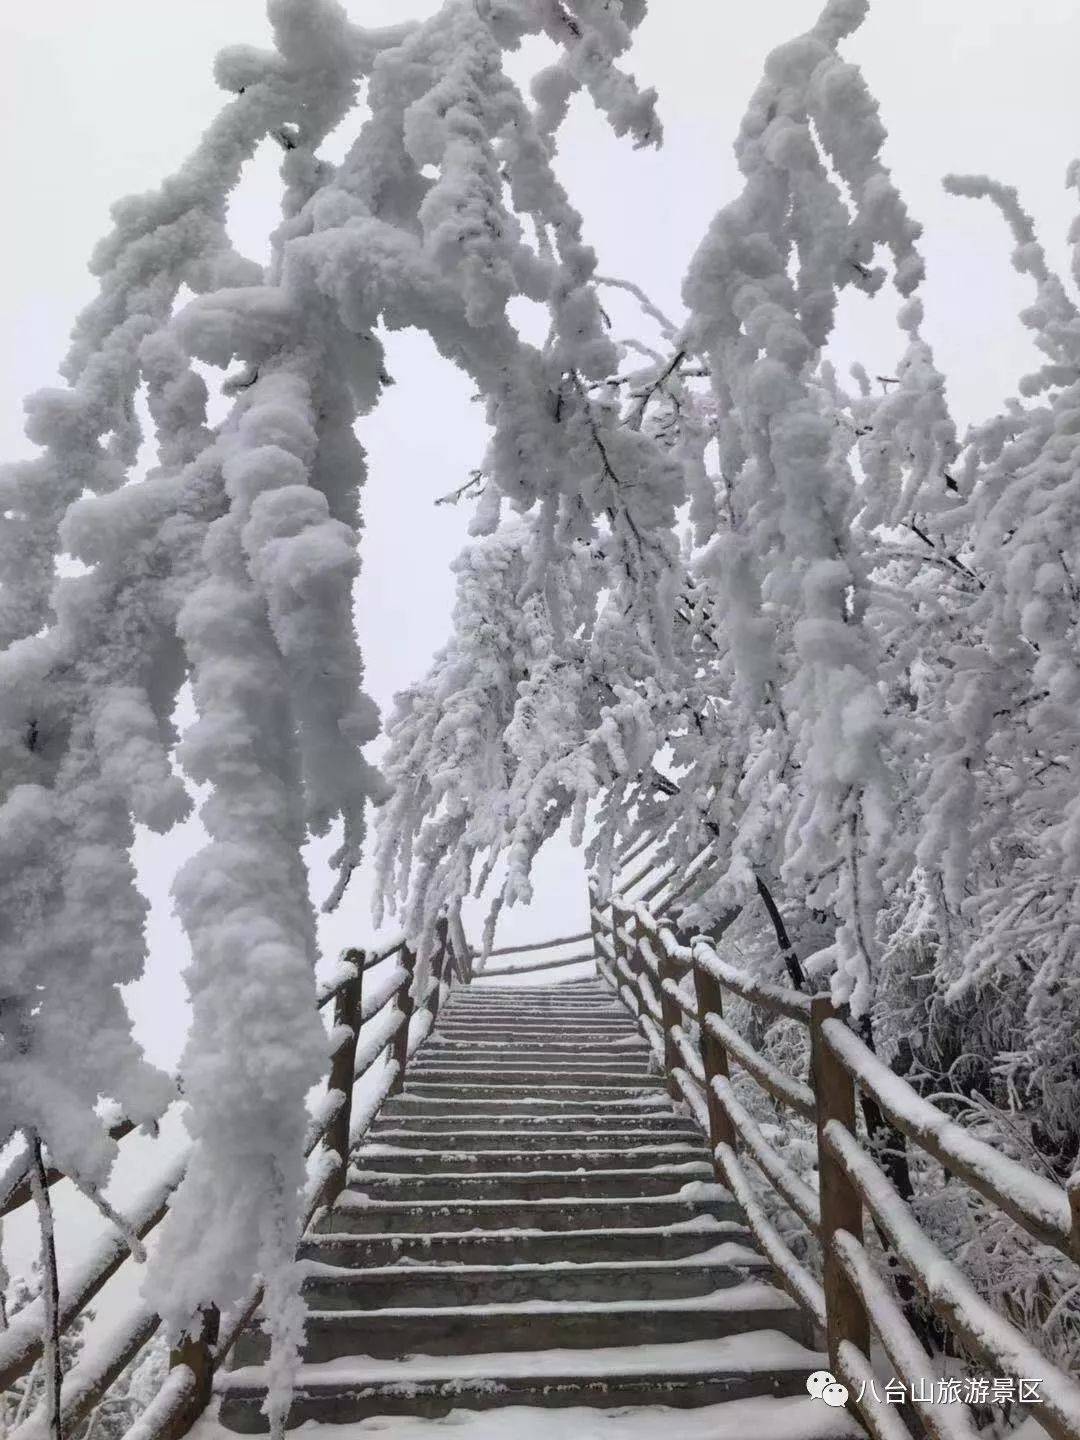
(533, 958)
(542, 944)
(677, 986)
(559, 963)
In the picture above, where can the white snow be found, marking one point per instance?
(760, 1350)
(764, 1418)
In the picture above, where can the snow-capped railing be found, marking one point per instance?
(648, 963)
(554, 962)
(376, 1027)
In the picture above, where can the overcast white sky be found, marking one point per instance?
(101, 99)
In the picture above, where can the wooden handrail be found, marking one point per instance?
(1036, 1204)
(911, 1364)
(759, 992)
(691, 878)
(558, 964)
(983, 1332)
(642, 842)
(20, 1192)
(784, 1180)
(840, 1199)
(406, 1003)
(793, 1276)
(854, 1300)
(677, 867)
(348, 1010)
(541, 945)
(360, 1015)
(651, 865)
(21, 1342)
(370, 958)
(788, 1091)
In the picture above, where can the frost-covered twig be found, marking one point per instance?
(50, 1287)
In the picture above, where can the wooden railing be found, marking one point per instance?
(648, 963)
(677, 987)
(531, 965)
(374, 1022)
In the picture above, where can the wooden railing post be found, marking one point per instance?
(348, 1011)
(619, 918)
(1073, 1190)
(710, 1000)
(841, 1203)
(595, 925)
(441, 964)
(406, 1001)
(672, 1016)
(624, 950)
(196, 1351)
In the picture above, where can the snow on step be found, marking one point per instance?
(530, 1244)
(532, 1227)
(763, 1363)
(417, 1159)
(360, 1214)
(763, 1418)
(580, 1138)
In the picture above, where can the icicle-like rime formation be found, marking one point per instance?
(792, 495)
(230, 564)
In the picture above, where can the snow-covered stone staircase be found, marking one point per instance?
(532, 1223)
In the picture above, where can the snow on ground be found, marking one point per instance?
(762, 1418)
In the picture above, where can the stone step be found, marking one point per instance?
(528, 1107)
(536, 1325)
(538, 1039)
(588, 988)
(450, 1088)
(533, 1221)
(530, 1184)
(424, 1286)
(588, 1006)
(611, 1121)
(522, 1026)
(510, 998)
(351, 1214)
(752, 1374)
(633, 1048)
(519, 1014)
(546, 1069)
(554, 989)
(584, 992)
(466, 1076)
(524, 1247)
(476, 1141)
(401, 1159)
(551, 1058)
(595, 1067)
(513, 1057)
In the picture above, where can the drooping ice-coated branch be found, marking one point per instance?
(762, 293)
(230, 563)
(855, 673)
(772, 666)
